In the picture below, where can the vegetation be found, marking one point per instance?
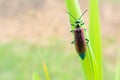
(20, 60)
(92, 62)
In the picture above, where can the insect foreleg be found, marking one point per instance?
(72, 24)
(81, 23)
(72, 31)
(85, 29)
(87, 41)
(72, 42)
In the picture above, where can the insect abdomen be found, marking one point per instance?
(80, 43)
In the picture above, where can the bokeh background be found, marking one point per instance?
(33, 31)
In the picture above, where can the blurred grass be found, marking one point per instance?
(36, 76)
(19, 59)
(117, 70)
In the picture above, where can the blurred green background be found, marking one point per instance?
(36, 30)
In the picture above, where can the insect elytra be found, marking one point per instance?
(80, 43)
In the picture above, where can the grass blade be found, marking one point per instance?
(44, 66)
(94, 33)
(46, 72)
(89, 63)
(35, 75)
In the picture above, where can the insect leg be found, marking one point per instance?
(81, 23)
(72, 42)
(87, 41)
(72, 31)
(85, 29)
(72, 25)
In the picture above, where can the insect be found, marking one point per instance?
(80, 41)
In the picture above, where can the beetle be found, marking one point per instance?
(80, 40)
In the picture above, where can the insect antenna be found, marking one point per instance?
(83, 14)
(71, 15)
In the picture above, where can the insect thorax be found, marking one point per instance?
(77, 26)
